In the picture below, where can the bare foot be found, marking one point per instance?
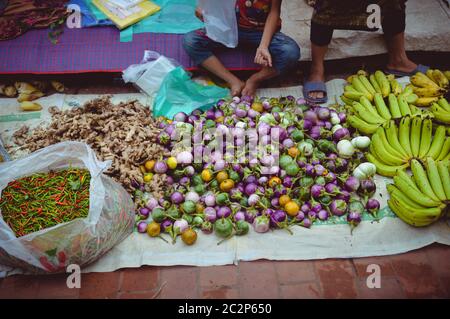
(236, 87)
(317, 74)
(250, 88)
(404, 65)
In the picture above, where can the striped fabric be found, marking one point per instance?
(97, 50)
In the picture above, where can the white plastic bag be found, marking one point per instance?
(220, 21)
(80, 241)
(149, 74)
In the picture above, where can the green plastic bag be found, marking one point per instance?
(178, 93)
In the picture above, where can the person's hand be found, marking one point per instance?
(198, 13)
(263, 57)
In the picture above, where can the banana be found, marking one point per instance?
(367, 84)
(414, 110)
(404, 107)
(408, 90)
(440, 114)
(375, 84)
(438, 142)
(394, 108)
(426, 101)
(447, 75)
(408, 179)
(395, 192)
(383, 169)
(381, 106)
(416, 126)
(361, 125)
(445, 177)
(422, 180)
(350, 88)
(411, 98)
(366, 115)
(350, 78)
(370, 108)
(362, 73)
(421, 80)
(383, 83)
(429, 91)
(358, 85)
(444, 104)
(346, 100)
(416, 196)
(381, 132)
(429, 74)
(396, 88)
(404, 135)
(440, 78)
(353, 95)
(377, 147)
(404, 213)
(425, 138)
(445, 150)
(392, 137)
(30, 106)
(435, 179)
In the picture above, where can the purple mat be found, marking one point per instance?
(97, 50)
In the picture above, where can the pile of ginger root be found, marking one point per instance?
(125, 133)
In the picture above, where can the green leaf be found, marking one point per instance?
(51, 252)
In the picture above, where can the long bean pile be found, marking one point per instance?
(44, 200)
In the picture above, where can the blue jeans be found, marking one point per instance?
(284, 50)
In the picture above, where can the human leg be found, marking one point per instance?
(284, 51)
(199, 47)
(320, 37)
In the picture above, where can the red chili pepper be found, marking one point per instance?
(44, 262)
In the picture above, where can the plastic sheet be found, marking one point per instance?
(178, 93)
(80, 241)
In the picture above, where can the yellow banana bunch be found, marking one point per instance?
(441, 111)
(364, 84)
(421, 199)
(393, 146)
(429, 87)
(27, 92)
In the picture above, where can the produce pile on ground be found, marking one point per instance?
(322, 173)
(125, 134)
(43, 200)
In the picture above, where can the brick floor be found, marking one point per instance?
(424, 273)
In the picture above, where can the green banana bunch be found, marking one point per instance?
(441, 111)
(421, 199)
(393, 146)
(367, 117)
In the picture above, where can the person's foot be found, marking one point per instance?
(236, 87)
(317, 74)
(404, 65)
(250, 88)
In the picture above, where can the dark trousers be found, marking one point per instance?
(392, 23)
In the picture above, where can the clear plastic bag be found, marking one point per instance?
(220, 21)
(81, 241)
(149, 74)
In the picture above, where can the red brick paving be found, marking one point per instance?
(424, 273)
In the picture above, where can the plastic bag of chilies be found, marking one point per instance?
(80, 241)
